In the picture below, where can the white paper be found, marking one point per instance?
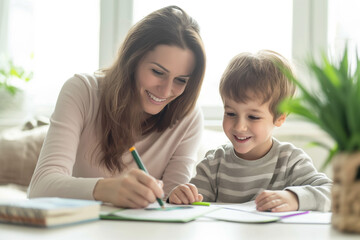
(240, 216)
(310, 218)
(301, 217)
(251, 207)
(171, 213)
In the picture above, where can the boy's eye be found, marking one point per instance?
(157, 72)
(253, 117)
(230, 114)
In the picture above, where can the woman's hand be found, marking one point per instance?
(185, 194)
(277, 201)
(135, 189)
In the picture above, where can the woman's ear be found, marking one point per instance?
(280, 120)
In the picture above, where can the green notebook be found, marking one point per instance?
(153, 213)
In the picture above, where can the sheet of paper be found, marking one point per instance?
(310, 218)
(171, 213)
(304, 217)
(231, 215)
(251, 207)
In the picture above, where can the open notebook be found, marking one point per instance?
(242, 213)
(247, 213)
(171, 213)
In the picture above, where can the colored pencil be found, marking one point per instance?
(138, 161)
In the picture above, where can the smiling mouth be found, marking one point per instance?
(242, 138)
(156, 99)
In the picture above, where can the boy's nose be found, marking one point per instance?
(241, 125)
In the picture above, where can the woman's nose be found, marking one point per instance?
(165, 88)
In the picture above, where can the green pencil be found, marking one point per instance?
(201, 203)
(142, 167)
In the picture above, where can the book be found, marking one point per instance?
(154, 213)
(49, 212)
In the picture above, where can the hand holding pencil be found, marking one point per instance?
(133, 189)
(142, 167)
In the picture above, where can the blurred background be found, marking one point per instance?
(51, 40)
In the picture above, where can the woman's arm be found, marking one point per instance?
(53, 174)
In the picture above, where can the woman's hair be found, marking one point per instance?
(120, 107)
(260, 75)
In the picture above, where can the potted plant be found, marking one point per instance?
(9, 73)
(12, 95)
(334, 106)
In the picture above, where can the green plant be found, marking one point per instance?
(334, 105)
(9, 73)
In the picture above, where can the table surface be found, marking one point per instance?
(202, 228)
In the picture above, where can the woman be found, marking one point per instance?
(146, 99)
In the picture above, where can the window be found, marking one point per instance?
(63, 37)
(68, 37)
(228, 28)
(343, 27)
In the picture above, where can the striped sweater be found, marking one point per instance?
(224, 177)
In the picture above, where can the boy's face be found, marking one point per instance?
(249, 127)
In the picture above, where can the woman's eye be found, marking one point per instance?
(157, 72)
(254, 118)
(181, 80)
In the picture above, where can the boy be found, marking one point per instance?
(256, 166)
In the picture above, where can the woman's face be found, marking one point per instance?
(162, 76)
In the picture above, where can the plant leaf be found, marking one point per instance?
(329, 158)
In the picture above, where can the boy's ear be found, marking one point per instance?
(280, 120)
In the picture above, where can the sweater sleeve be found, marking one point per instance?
(53, 174)
(205, 179)
(312, 188)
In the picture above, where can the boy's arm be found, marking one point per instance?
(205, 180)
(312, 188)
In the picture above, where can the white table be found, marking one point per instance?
(201, 229)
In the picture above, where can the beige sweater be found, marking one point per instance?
(65, 168)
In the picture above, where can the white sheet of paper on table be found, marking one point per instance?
(171, 213)
(240, 213)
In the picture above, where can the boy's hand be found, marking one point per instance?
(277, 201)
(185, 194)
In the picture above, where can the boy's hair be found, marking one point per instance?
(260, 75)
